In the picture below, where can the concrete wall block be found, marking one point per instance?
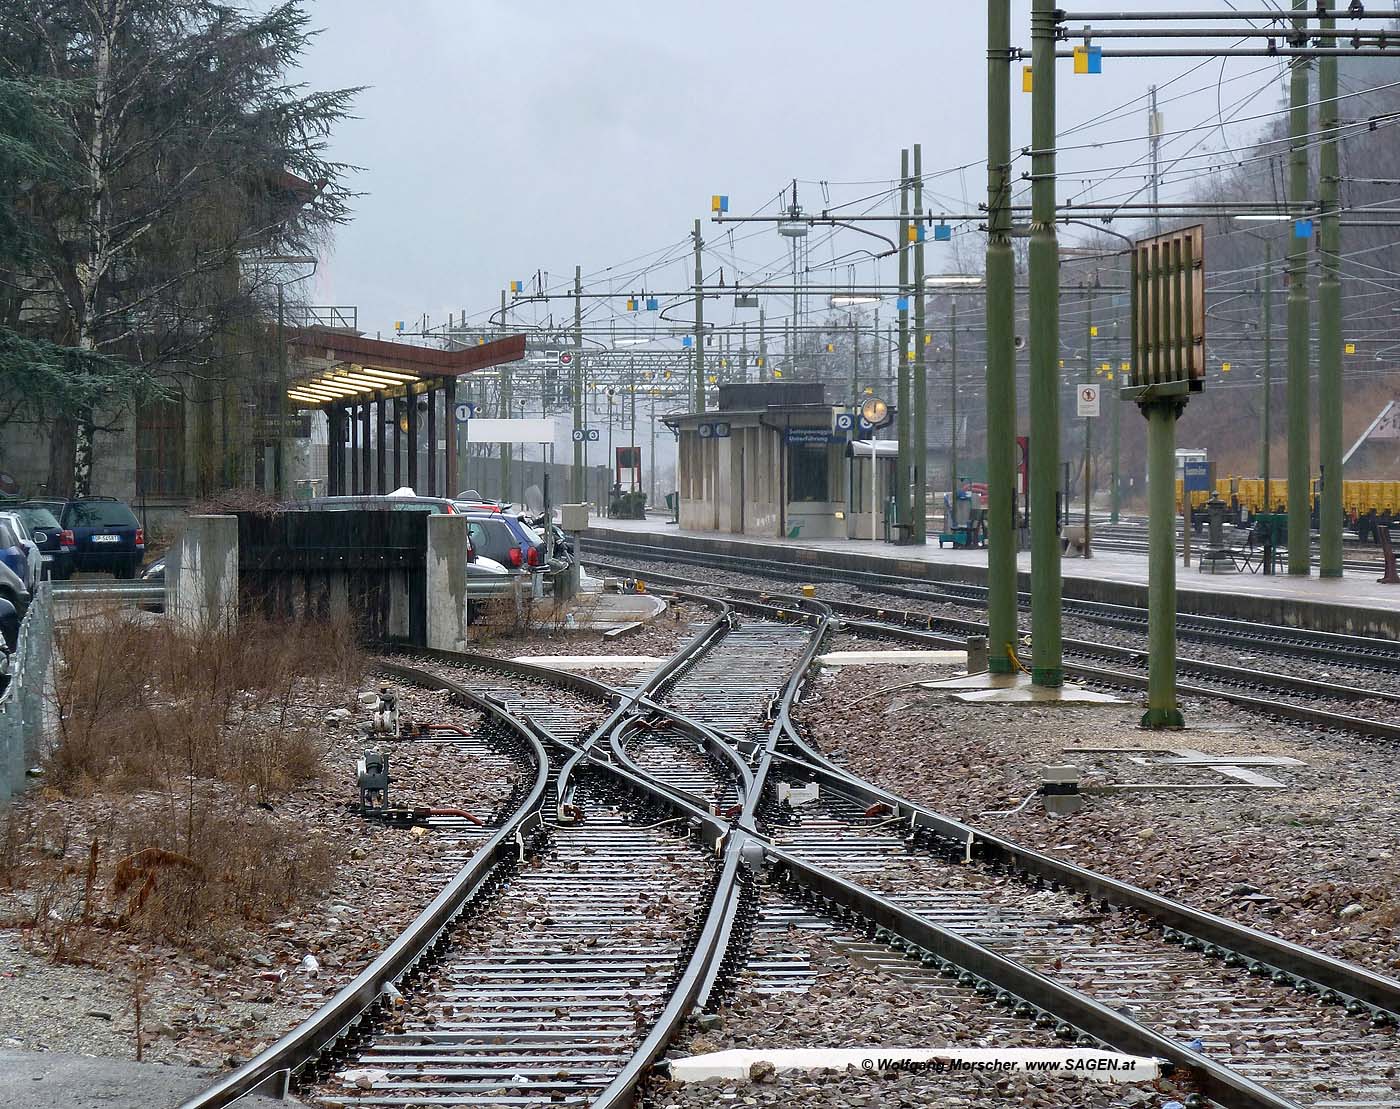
(447, 582)
(201, 574)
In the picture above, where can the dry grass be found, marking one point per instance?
(140, 704)
(177, 745)
(509, 616)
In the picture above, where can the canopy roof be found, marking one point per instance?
(344, 369)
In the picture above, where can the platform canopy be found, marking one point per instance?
(342, 369)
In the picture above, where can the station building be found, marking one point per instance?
(771, 461)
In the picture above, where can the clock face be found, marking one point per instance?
(874, 411)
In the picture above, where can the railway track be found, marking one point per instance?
(1363, 652)
(651, 843)
(1282, 696)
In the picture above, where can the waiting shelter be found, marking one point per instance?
(769, 462)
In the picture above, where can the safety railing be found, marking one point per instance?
(22, 702)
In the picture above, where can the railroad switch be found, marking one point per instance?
(372, 776)
(1059, 785)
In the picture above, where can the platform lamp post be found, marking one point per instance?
(279, 467)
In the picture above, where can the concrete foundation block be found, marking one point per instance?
(447, 582)
(573, 518)
(201, 574)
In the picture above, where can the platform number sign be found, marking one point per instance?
(465, 411)
(845, 421)
(1088, 400)
(585, 435)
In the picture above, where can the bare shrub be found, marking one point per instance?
(233, 864)
(184, 738)
(140, 704)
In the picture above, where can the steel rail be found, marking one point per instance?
(720, 746)
(935, 945)
(272, 1069)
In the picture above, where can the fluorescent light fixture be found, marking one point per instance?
(1264, 219)
(952, 280)
(375, 371)
(332, 388)
(365, 381)
(850, 300)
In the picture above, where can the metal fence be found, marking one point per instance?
(22, 703)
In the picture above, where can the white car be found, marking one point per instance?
(33, 556)
(487, 578)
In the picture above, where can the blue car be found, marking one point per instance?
(54, 541)
(12, 552)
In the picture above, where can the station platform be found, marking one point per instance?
(1355, 604)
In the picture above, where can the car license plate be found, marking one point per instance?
(106, 538)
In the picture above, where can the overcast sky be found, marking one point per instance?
(498, 138)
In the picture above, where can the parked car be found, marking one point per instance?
(55, 542)
(107, 537)
(13, 589)
(486, 577)
(507, 540)
(19, 551)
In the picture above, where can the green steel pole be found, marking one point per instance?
(580, 477)
(699, 323)
(1088, 424)
(1299, 441)
(1001, 348)
(1329, 320)
(1047, 668)
(1162, 708)
(903, 505)
(953, 399)
(1266, 419)
(1116, 403)
(919, 386)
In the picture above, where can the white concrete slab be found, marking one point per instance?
(893, 658)
(592, 662)
(1027, 694)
